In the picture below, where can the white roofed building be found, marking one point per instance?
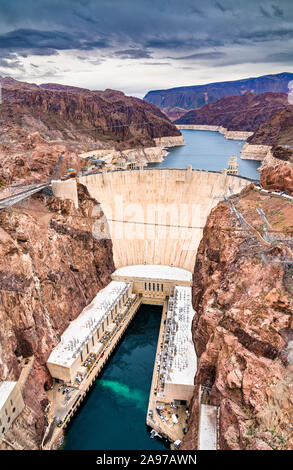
(83, 335)
(11, 404)
(179, 361)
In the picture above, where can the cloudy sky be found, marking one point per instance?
(139, 45)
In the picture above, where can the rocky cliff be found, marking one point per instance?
(35, 160)
(278, 177)
(243, 325)
(237, 113)
(175, 101)
(78, 115)
(51, 267)
(276, 131)
(44, 128)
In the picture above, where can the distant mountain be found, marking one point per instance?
(175, 101)
(237, 113)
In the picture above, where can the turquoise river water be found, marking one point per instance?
(113, 416)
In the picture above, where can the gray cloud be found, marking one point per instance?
(278, 11)
(205, 33)
(281, 57)
(133, 54)
(202, 56)
(221, 7)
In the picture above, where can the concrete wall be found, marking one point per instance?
(175, 391)
(66, 190)
(154, 289)
(12, 407)
(156, 215)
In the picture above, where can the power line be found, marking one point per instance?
(197, 227)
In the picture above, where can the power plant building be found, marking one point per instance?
(84, 334)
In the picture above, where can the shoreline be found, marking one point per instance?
(260, 153)
(144, 155)
(232, 135)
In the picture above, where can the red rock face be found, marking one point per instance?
(279, 177)
(36, 160)
(277, 130)
(41, 124)
(241, 328)
(237, 113)
(51, 267)
(72, 114)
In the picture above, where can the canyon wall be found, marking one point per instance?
(279, 178)
(51, 267)
(84, 117)
(237, 113)
(243, 326)
(269, 156)
(177, 101)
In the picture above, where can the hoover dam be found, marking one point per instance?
(155, 216)
(155, 219)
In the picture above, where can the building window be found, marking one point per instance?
(81, 357)
(13, 411)
(8, 420)
(158, 287)
(11, 403)
(87, 348)
(93, 341)
(150, 286)
(162, 287)
(145, 286)
(3, 430)
(6, 412)
(154, 286)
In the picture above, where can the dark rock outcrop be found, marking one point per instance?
(237, 113)
(276, 131)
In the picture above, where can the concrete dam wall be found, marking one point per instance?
(156, 216)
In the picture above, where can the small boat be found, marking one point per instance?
(155, 434)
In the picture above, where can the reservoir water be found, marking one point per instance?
(208, 150)
(114, 413)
